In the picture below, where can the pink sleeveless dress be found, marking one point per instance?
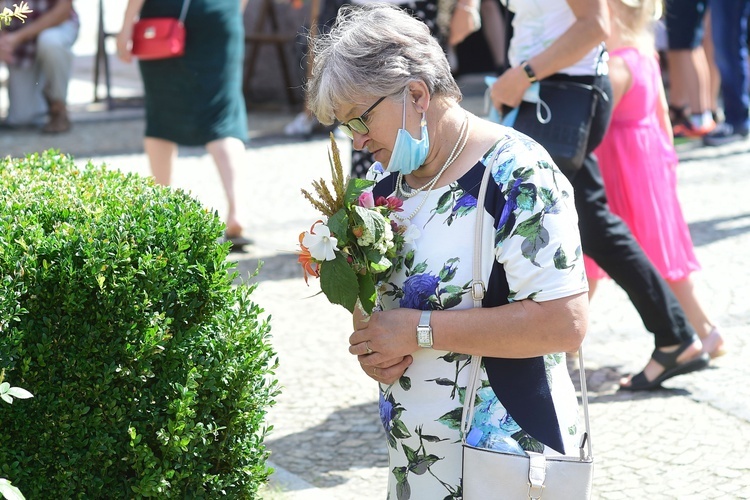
(639, 168)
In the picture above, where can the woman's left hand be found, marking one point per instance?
(387, 372)
(509, 88)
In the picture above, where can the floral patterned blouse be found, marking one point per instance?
(531, 250)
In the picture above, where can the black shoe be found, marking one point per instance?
(724, 133)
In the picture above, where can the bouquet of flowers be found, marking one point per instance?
(356, 248)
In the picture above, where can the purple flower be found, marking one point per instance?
(386, 413)
(511, 203)
(417, 290)
(448, 272)
(465, 201)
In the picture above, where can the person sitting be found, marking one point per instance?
(39, 56)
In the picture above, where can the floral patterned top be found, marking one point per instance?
(531, 250)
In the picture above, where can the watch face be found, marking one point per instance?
(424, 336)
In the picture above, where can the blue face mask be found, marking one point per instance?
(408, 153)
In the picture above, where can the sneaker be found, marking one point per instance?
(694, 130)
(301, 125)
(724, 133)
(681, 125)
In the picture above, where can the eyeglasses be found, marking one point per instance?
(358, 124)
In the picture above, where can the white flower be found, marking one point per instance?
(320, 244)
(412, 233)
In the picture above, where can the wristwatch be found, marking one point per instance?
(424, 330)
(529, 71)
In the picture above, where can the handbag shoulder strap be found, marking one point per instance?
(183, 12)
(477, 290)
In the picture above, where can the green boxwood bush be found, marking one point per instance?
(151, 372)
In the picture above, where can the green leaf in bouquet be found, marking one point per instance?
(378, 263)
(367, 293)
(338, 281)
(338, 223)
(354, 189)
(372, 220)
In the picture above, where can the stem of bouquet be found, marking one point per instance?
(361, 318)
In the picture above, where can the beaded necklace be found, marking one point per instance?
(463, 138)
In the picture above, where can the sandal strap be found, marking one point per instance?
(669, 359)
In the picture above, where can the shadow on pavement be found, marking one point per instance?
(274, 267)
(353, 439)
(710, 231)
(603, 385)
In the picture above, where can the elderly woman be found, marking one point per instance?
(386, 80)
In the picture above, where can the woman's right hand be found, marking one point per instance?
(386, 372)
(124, 44)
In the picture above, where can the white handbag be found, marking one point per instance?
(490, 474)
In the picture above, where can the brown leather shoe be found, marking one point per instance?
(58, 118)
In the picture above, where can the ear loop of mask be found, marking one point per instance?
(422, 122)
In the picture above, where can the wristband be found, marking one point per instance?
(529, 71)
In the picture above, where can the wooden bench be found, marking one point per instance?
(258, 37)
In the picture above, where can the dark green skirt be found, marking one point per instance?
(195, 99)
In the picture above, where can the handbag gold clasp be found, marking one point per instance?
(149, 32)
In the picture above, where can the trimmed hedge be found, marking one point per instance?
(151, 372)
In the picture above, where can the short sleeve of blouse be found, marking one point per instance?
(537, 239)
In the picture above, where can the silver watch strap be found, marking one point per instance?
(424, 318)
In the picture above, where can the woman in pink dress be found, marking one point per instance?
(638, 163)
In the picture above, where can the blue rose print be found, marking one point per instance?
(386, 413)
(465, 201)
(504, 171)
(417, 290)
(508, 216)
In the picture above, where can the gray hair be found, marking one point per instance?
(374, 51)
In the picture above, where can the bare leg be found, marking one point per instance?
(700, 101)
(681, 77)
(684, 290)
(228, 154)
(592, 288)
(161, 155)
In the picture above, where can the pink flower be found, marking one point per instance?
(366, 200)
(393, 203)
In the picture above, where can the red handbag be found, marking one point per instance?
(160, 37)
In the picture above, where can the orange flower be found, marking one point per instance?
(297, 4)
(309, 266)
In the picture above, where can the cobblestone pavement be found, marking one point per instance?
(687, 441)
